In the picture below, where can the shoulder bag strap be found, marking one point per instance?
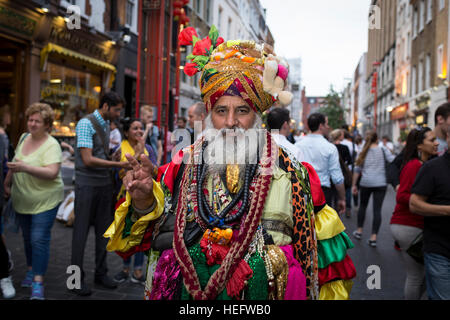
(101, 133)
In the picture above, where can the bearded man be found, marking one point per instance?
(232, 216)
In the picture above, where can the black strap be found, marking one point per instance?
(101, 133)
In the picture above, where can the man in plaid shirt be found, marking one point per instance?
(94, 188)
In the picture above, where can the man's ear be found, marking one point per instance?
(105, 107)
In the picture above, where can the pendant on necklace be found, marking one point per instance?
(232, 177)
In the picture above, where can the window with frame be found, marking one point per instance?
(427, 72)
(413, 81)
(420, 77)
(439, 61)
(429, 10)
(129, 12)
(415, 22)
(441, 5)
(422, 16)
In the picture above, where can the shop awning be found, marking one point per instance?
(52, 48)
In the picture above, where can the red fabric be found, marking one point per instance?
(316, 188)
(215, 255)
(402, 215)
(170, 171)
(343, 270)
(145, 245)
(119, 202)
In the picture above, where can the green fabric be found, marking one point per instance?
(257, 285)
(128, 223)
(31, 195)
(333, 250)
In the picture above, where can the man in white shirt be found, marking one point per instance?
(324, 157)
(385, 141)
(278, 119)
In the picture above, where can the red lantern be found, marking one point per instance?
(178, 4)
(177, 12)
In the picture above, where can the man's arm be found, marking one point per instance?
(418, 204)
(90, 161)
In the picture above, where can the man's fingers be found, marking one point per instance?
(133, 162)
(146, 163)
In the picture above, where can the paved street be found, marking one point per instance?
(384, 256)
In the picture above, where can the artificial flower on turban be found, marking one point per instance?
(240, 67)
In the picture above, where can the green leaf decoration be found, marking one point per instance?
(213, 35)
(201, 60)
(190, 57)
(194, 40)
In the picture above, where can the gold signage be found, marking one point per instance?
(399, 112)
(11, 20)
(71, 40)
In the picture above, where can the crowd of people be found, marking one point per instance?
(222, 218)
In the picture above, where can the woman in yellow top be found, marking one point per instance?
(133, 144)
(36, 187)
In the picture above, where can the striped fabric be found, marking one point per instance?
(373, 169)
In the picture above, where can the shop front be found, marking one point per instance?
(400, 120)
(422, 110)
(75, 71)
(19, 30)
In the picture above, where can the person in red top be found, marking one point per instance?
(421, 145)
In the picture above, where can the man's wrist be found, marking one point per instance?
(143, 205)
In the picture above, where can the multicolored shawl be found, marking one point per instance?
(304, 241)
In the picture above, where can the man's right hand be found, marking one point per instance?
(139, 182)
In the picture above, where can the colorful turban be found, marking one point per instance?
(236, 68)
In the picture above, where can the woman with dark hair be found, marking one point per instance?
(133, 143)
(370, 164)
(421, 145)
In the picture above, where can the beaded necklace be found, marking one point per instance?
(223, 219)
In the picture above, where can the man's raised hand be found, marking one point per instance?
(139, 182)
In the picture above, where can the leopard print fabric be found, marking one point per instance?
(304, 240)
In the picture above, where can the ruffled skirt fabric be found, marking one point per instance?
(336, 268)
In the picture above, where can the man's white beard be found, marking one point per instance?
(232, 146)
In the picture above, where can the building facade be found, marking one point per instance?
(55, 53)
(381, 61)
(429, 52)
(295, 84)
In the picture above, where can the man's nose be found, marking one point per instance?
(231, 120)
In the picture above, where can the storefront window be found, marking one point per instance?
(71, 93)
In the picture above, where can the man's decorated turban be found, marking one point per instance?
(238, 68)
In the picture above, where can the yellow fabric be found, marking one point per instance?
(278, 205)
(125, 147)
(336, 290)
(328, 224)
(31, 195)
(115, 230)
